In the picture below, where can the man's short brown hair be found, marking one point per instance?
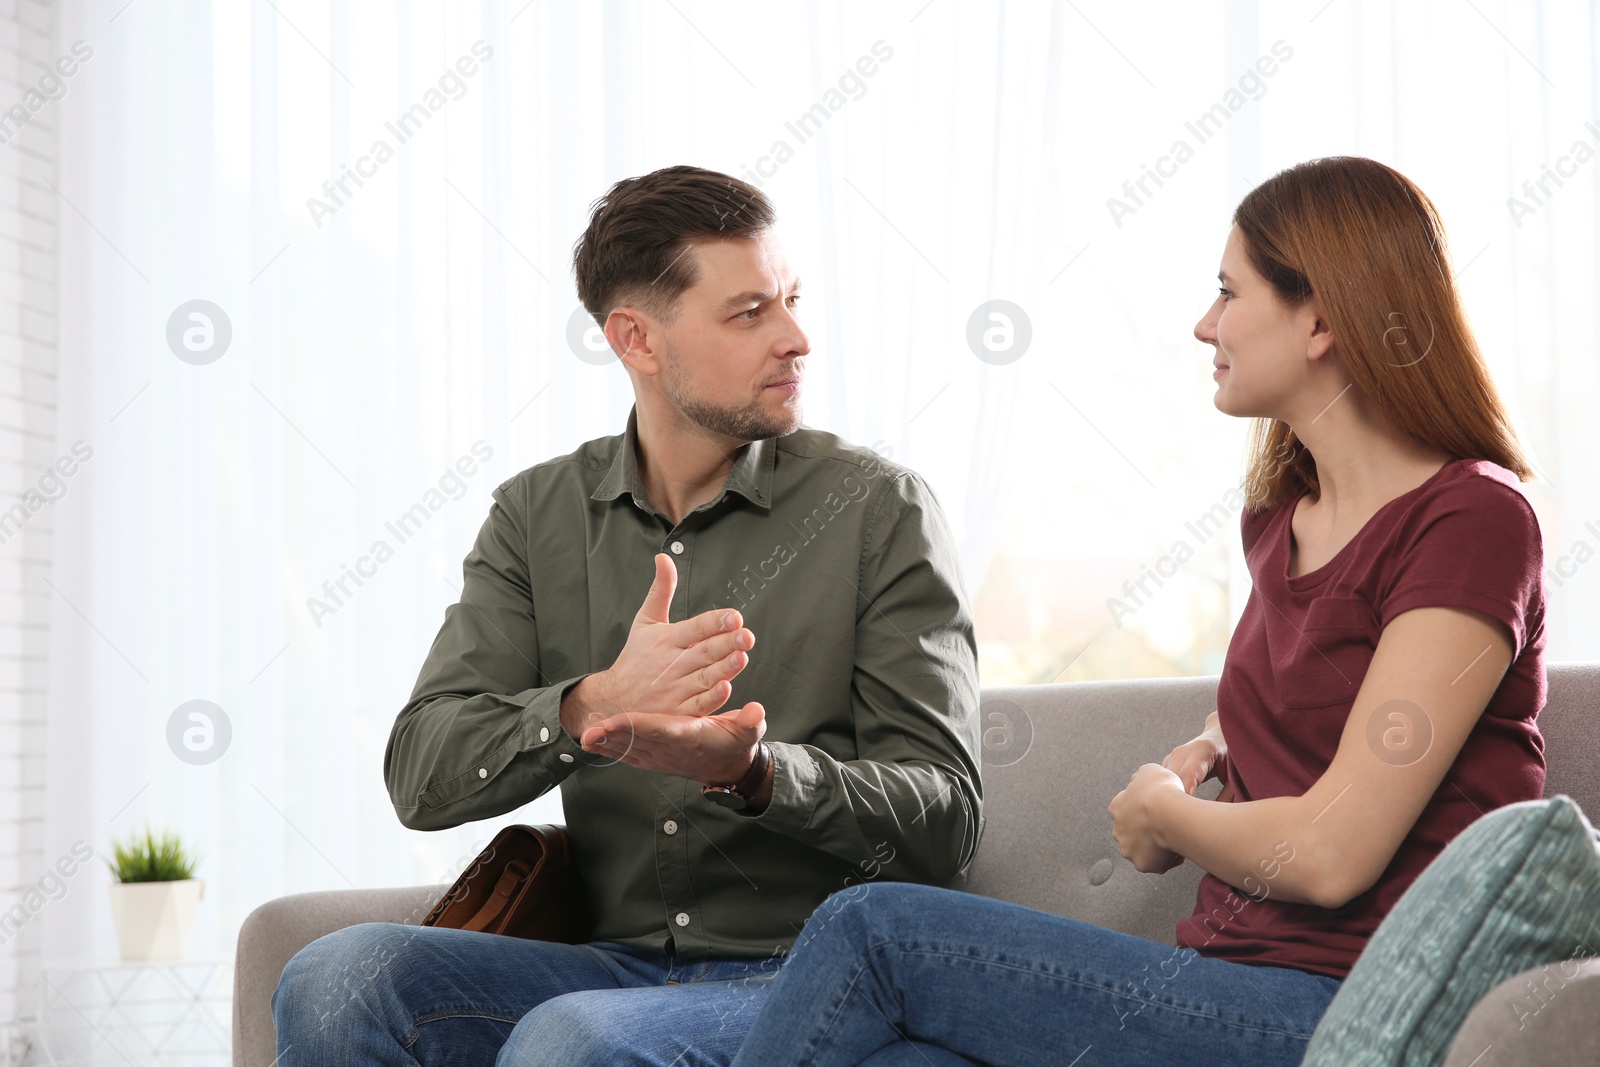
(635, 249)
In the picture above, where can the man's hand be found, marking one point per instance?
(1132, 825)
(715, 749)
(665, 668)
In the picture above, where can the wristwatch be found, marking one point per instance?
(737, 796)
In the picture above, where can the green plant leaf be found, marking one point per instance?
(145, 857)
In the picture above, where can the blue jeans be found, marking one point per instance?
(892, 974)
(388, 993)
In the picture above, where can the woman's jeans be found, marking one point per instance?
(387, 993)
(892, 974)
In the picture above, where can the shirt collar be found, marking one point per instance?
(751, 476)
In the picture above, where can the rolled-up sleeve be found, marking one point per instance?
(910, 802)
(481, 734)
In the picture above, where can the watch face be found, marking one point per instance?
(726, 797)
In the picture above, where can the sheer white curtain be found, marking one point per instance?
(926, 158)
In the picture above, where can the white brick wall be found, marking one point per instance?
(28, 213)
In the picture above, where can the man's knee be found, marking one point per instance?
(579, 1028)
(335, 973)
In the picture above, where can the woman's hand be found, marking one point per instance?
(1132, 822)
(1202, 759)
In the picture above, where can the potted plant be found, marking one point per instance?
(154, 897)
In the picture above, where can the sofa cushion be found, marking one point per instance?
(1518, 889)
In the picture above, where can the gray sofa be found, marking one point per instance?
(1054, 755)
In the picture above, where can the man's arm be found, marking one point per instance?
(481, 734)
(913, 792)
(909, 802)
(486, 732)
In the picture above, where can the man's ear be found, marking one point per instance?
(631, 333)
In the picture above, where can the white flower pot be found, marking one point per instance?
(154, 919)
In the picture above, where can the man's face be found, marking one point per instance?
(731, 358)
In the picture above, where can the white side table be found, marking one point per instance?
(136, 1013)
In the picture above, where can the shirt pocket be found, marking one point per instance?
(1329, 657)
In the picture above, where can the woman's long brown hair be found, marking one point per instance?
(1371, 247)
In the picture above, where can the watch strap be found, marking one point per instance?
(745, 787)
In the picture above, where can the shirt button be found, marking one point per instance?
(483, 772)
(566, 757)
(677, 548)
(682, 918)
(669, 827)
(544, 733)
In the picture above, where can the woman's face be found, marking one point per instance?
(1261, 345)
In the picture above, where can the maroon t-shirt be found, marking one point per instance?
(1466, 537)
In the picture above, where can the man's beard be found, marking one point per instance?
(749, 422)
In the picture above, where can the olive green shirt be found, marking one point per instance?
(844, 568)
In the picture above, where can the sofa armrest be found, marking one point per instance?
(278, 929)
(1543, 1016)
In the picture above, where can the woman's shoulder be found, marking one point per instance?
(1470, 539)
(1470, 523)
(1481, 489)
(1256, 519)
(1254, 522)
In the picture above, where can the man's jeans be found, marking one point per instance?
(891, 974)
(387, 993)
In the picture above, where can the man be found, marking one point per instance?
(718, 597)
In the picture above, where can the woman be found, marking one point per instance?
(1379, 692)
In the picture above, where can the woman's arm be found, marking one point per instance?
(1434, 671)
